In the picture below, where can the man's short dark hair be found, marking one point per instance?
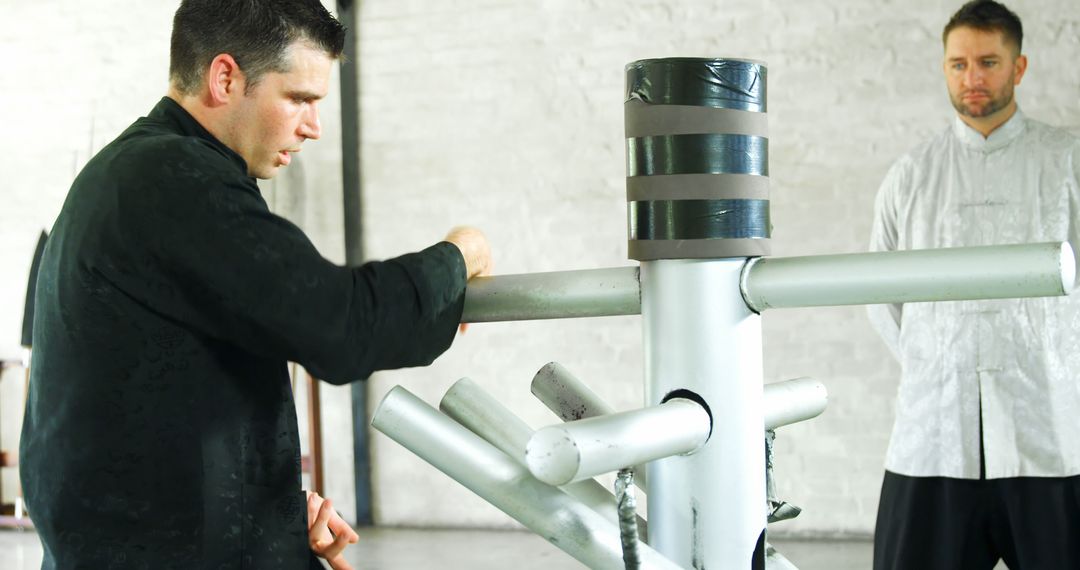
(256, 33)
(987, 16)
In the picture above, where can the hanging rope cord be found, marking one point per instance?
(627, 507)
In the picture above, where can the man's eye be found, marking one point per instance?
(959, 66)
(989, 63)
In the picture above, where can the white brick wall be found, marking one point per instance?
(508, 116)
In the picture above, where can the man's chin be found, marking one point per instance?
(265, 173)
(976, 111)
(981, 111)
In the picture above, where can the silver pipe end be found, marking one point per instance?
(744, 289)
(1068, 267)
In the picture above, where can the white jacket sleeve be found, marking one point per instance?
(884, 237)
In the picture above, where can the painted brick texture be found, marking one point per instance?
(508, 116)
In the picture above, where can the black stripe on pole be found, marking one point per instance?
(698, 219)
(711, 153)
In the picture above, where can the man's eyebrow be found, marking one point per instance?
(984, 56)
(301, 94)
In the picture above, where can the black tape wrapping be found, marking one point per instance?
(713, 153)
(698, 219)
(725, 83)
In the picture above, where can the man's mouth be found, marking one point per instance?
(284, 156)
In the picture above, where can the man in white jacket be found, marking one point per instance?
(984, 460)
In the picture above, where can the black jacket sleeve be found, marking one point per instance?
(214, 258)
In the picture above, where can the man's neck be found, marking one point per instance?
(987, 125)
(204, 114)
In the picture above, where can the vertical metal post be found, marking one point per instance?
(352, 196)
(706, 510)
(352, 200)
(697, 208)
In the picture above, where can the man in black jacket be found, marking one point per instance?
(160, 428)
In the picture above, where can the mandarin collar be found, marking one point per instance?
(168, 110)
(1001, 136)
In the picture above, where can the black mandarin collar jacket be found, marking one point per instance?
(160, 429)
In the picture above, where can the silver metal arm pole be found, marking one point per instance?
(571, 400)
(553, 295)
(793, 401)
(786, 402)
(987, 272)
(562, 520)
(581, 449)
(949, 274)
(567, 396)
(469, 405)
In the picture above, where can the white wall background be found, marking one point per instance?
(508, 116)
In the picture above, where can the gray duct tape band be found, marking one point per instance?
(642, 120)
(698, 219)
(697, 154)
(697, 249)
(726, 83)
(697, 187)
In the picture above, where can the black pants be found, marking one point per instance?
(939, 523)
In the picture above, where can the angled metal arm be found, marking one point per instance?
(794, 401)
(581, 449)
(564, 521)
(469, 405)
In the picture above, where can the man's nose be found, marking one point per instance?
(310, 127)
(974, 76)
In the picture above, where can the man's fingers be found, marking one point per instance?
(326, 510)
(474, 247)
(318, 532)
(339, 527)
(331, 550)
(314, 501)
(329, 534)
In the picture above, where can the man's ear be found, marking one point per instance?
(224, 80)
(1021, 67)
